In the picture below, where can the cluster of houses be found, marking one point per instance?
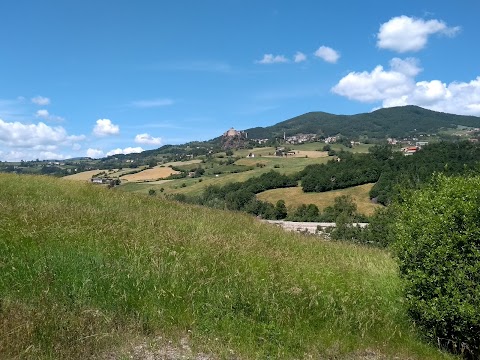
(283, 152)
(105, 181)
(410, 150)
(299, 138)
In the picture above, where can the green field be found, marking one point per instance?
(88, 271)
(295, 197)
(196, 187)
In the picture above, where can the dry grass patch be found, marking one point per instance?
(295, 197)
(150, 174)
(83, 176)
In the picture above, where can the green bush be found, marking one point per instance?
(438, 247)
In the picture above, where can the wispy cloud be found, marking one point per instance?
(272, 59)
(44, 114)
(194, 66)
(40, 100)
(285, 94)
(152, 103)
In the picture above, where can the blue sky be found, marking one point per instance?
(99, 77)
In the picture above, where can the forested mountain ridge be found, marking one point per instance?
(388, 122)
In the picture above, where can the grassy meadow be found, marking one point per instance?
(294, 197)
(84, 270)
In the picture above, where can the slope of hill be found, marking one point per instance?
(86, 270)
(394, 122)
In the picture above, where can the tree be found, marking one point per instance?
(152, 163)
(280, 210)
(343, 205)
(437, 243)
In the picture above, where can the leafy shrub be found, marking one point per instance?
(438, 247)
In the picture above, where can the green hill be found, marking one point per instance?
(87, 272)
(394, 122)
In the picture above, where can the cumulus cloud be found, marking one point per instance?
(397, 87)
(379, 84)
(94, 153)
(272, 59)
(40, 100)
(105, 127)
(152, 103)
(128, 150)
(147, 139)
(17, 134)
(327, 54)
(299, 57)
(403, 33)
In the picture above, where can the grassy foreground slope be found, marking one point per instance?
(85, 269)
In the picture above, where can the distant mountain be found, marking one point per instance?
(389, 122)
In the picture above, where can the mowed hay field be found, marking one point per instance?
(295, 197)
(83, 176)
(150, 174)
(91, 273)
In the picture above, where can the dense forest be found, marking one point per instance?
(390, 169)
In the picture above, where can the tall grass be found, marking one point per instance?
(84, 268)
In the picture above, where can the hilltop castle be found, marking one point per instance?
(232, 133)
(234, 139)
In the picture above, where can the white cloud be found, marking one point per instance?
(328, 54)
(44, 114)
(147, 139)
(379, 84)
(105, 127)
(403, 33)
(299, 57)
(40, 100)
(15, 155)
(17, 134)
(76, 147)
(94, 153)
(272, 59)
(398, 87)
(128, 150)
(152, 103)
